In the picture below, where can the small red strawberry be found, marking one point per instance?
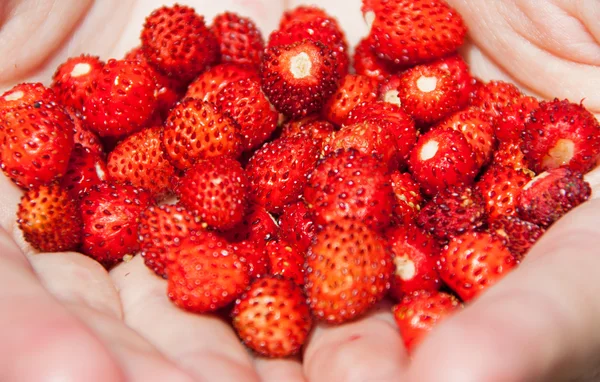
(122, 99)
(353, 90)
(216, 191)
(177, 42)
(452, 212)
(86, 169)
(520, 235)
(415, 255)
(73, 78)
(510, 154)
(347, 184)
(83, 136)
(240, 40)
(317, 129)
(550, 195)
(299, 78)
(560, 133)
(511, 121)
(459, 70)
(26, 94)
(441, 158)
(257, 226)
(50, 219)
(286, 261)
(388, 90)
(272, 317)
(161, 231)
(348, 270)
(110, 214)
(409, 199)
(306, 13)
(211, 82)
(473, 262)
(255, 256)
(418, 313)
(500, 187)
(494, 96)
(197, 130)
(297, 226)
(278, 171)
(366, 62)
(205, 274)
(140, 160)
(410, 32)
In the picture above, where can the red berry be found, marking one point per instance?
(210, 83)
(500, 187)
(510, 154)
(459, 70)
(366, 62)
(83, 136)
(520, 235)
(255, 256)
(495, 96)
(352, 91)
(409, 199)
(73, 79)
(511, 121)
(240, 40)
(257, 226)
(286, 261)
(316, 129)
(297, 226)
(86, 169)
(305, 13)
(26, 94)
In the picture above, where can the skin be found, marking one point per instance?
(65, 318)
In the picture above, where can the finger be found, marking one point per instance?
(204, 345)
(537, 324)
(367, 349)
(275, 370)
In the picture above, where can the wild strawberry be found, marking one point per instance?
(561, 133)
(255, 256)
(494, 96)
(418, 313)
(428, 93)
(306, 13)
(211, 82)
(272, 317)
(388, 90)
(500, 187)
(86, 169)
(473, 262)
(26, 94)
(459, 70)
(140, 160)
(36, 143)
(177, 42)
(411, 32)
(520, 235)
(347, 184)
(206, 274)
(415, 255)
(409, 199)
(83, 136)
(352, 91)
(348, 270)
(216, 191)
(278, 171)
(161, 231)
(50, 219)
(477, 130)
(240, 40)
(510, 123)
(110, 214)
(245, 102)
(73, 78)
(286, 261)
(550, 195)
(299, 78)
(122, 99)
(452, 212)
(197, 130)
(442, 158)
(296, 224)
(366, 62)
(257, 226)
(316, 129)
(510, 154)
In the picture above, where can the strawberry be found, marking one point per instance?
(474, 261)
(140, 160)
(348, 270)
(494, 96)
(347, 184)
(216, 191)
(520, 235)
(409, 199)
(459, 70)
(353, 90)
(110, 214)
(415, 255)
(83, 136)
(388, 90)
(418, 313)
(500, 187)
(161, 230)
(278, 171)
(317, 129)
(73, 78)
(366, 62)
(428, 93)
(411, 32)
(511, 121)
(86, 169)
(299, 78)
(240, 40)
(245, 102)
(272, 317)
(452, 212)
(442, 158)
(257, 226)
(297, 226)
(36, 143)
(561, 133)
(510, 154)
(176, 41)
(26, 94)
(286, 261)
(477, 130)
(50, 219)
(197, 130)
(306, 13)
(122, 99)
(255, 256)
(211, 82)
(205, 274)
(550, 195)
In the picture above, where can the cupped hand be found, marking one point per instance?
(65, 318)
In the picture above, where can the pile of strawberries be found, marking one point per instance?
(288, 183)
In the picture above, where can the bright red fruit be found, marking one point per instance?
(317, 129)
(211, 82)
(255, 256)
(500, 187)
(86, 169)
(297, 226)
(305, 13)
(286, 261)
(26, 94)
(459, 70)
(388, 90)
(83, 136)
(511, 121)
(409, 198)
(257, 226)
(73, 79)
(520, 235)
(353, 90)
(495, 96)
(510, 154)
(239, 39)
(366, 62)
